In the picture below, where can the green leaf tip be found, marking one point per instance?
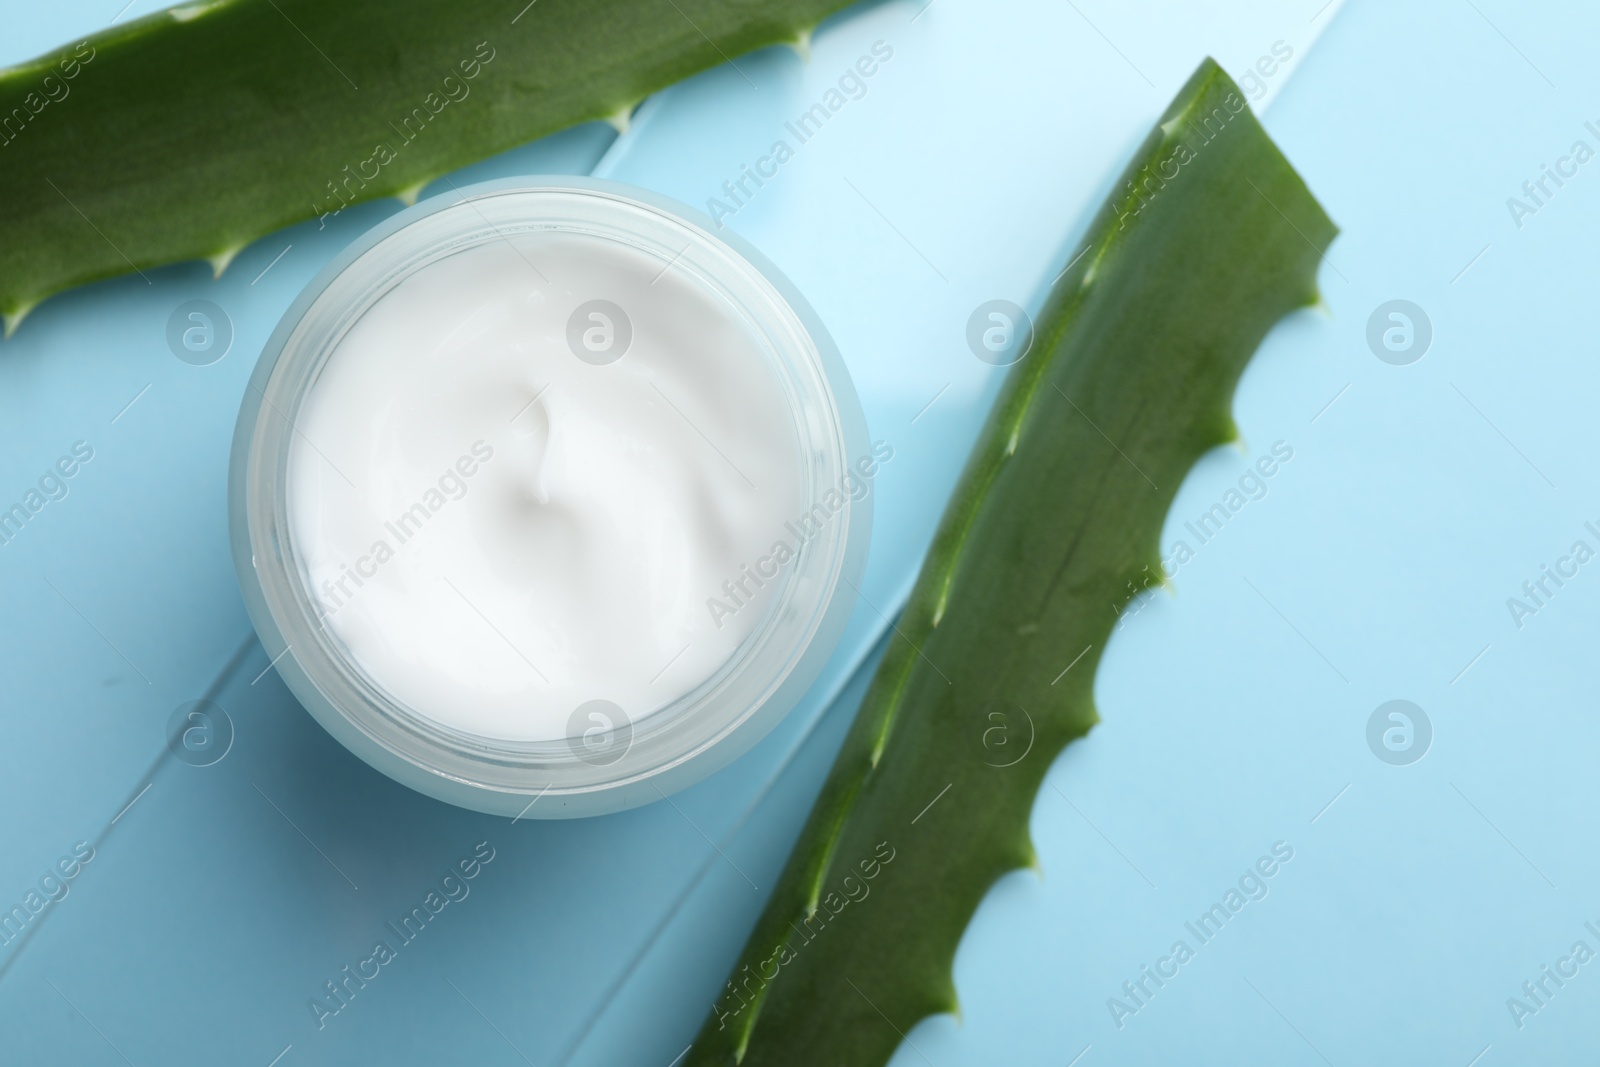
(1208, 238)
(212, 124)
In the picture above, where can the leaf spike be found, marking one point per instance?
(621, 118)
(801, 45)
(408, 195)
(222, 260)
(190, 12)
(14, 318)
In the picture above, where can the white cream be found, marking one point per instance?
(499, 531)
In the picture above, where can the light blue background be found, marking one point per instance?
(1234, 705)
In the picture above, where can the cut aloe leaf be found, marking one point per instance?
(1209, 239)
(192, 132)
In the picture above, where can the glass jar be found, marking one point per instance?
(614, 764)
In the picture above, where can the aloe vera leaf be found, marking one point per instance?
(191, 132)
(1053, 527)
